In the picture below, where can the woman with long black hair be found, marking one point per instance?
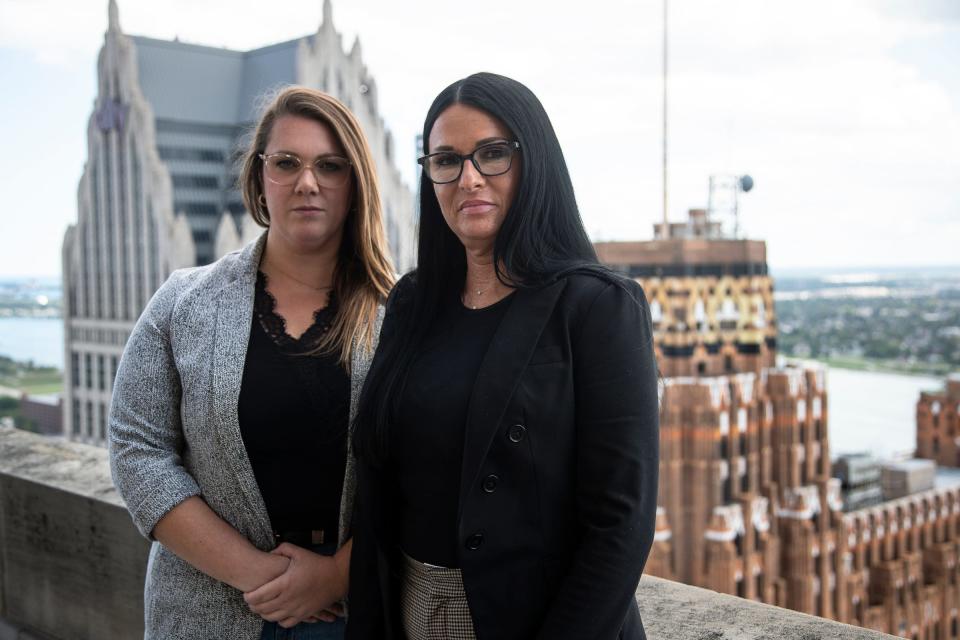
(507, 434)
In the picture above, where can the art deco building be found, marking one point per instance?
(158, 191)
(747, 503)
(711, 299)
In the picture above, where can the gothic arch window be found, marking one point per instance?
(656, 312)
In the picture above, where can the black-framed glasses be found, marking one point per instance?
(491, 159)
(331, 172)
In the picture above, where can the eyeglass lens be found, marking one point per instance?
(284, 169)
(490, 160)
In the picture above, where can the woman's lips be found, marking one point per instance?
(476, 206)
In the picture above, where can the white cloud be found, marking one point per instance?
(845, 141)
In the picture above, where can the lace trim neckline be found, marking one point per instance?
(275, 326)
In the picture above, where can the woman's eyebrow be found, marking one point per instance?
(480, 143)
(330, 154)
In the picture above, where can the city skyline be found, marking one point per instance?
(846, 116)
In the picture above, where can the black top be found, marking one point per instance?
(430, 429)
(294, 411)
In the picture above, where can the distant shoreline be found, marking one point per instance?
(881, 366)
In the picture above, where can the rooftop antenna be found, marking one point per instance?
(665, 229)
(723, 198)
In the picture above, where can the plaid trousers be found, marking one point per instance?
(434, 604)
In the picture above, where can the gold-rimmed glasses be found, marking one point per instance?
(284, 169)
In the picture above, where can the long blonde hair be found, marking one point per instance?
(364, 273)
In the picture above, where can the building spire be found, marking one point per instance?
(113, 23)
(327, 13)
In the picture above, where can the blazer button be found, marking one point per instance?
(474, 541)
(490, 483)
(517, 432)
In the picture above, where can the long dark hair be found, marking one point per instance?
(541, 239)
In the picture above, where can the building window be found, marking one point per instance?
(196, 182)
(138, 244)
(103, 421)
(93, 241)
(154, 270)
(113, 370)
(197, 208)
(88, 370)
(89, 425)
(75, 369)
(195, 155)
(123, 248)
(101, 374)
(75, 413)
(109, 308)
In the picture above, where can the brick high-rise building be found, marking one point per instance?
(747, 502)
(938, 424)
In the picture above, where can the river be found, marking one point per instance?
(874, 412)
(37, 339)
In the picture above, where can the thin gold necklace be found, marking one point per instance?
(463, 298)
(306, 284)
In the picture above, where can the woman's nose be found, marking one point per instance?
(470, 178)
(307, 181)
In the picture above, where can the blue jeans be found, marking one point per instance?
(305, 631)
(308, 630)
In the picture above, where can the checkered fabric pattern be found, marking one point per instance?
(434, 603)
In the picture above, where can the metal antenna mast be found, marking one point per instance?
(665, 222)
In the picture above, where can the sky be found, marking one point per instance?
(845, 113)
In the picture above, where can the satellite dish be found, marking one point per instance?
(746, 183)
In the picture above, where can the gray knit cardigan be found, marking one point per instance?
(174, 434)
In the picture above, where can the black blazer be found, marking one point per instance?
(558, 490)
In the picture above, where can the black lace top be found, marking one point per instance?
(294, 411)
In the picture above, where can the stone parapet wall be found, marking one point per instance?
(72, 564)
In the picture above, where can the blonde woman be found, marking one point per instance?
(228, 429)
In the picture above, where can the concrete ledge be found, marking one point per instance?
(54, 462)
(72, 564)
(672, 610)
